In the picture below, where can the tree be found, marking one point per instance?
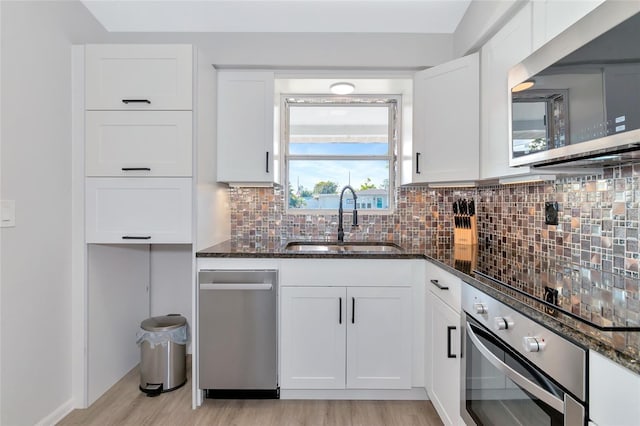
(295, 201)
(304, 192)
(325, 187)
(367, 185)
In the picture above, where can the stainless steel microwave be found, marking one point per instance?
(576, 100)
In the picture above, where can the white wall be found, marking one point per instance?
(35, 297)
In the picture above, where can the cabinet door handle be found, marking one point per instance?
(136, 101)
(440, 286)
(450, 328)
(353, 310)
(136, 169)
(267, 161)
(417, 163)
(132, 237)
(340, 310)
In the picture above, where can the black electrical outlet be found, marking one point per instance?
(551, 213)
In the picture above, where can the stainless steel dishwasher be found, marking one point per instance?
(238, 355)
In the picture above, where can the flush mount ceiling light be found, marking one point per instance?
(342, 88)
(523, 86)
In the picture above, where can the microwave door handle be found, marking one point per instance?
(535, 390)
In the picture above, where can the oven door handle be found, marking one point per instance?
(535, 390)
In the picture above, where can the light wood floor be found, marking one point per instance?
(124, 404)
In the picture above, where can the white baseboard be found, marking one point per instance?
(413, 394)
(57, 415)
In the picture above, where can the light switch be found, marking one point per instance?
(8, 214)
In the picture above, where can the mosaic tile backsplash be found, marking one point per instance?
(598, 220)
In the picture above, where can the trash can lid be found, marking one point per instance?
(163, 323)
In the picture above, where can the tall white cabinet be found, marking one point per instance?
(245, 127)
(446, 122)
(138, 198)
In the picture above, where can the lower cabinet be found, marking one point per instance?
(443, 364)
(346, 337)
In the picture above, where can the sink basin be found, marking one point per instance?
(354, 247)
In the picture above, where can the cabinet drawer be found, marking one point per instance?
(131, 76)
(143, 211)
(138, 143)
(444, 285)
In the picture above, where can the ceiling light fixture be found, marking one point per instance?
(342, 88)
(523, 86)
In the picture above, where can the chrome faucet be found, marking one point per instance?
(355, 213)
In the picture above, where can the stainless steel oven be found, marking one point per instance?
(516, 371)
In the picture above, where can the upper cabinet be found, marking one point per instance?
(138, 77)
(446, 122)
(245, 127)
(508, 47)
(551, 17)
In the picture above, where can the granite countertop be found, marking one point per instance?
(569, 321)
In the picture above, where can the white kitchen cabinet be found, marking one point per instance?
(138, 210)
(379, 336)
(346, 338)
(313, 337)
(614, 393)
(442, 343)
(551, 17)
(445, 365)
(133, 77)
(138, 143)
(446, 122)
(507, 48)
(245, 127)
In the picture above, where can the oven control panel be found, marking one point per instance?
(559, 357)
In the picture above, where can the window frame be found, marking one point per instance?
(392, 102)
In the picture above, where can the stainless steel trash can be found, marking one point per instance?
(163, 362)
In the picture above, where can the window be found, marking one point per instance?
(333, 142)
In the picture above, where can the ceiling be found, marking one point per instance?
(284, 16)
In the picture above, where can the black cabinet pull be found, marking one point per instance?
(136, 101)
(449, 329)
(267, 162)
(131, 237)
(440, 286)
(353, 310)
(340, 309)
(417, 163)
(136, 169)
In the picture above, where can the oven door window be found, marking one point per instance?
(495, 392)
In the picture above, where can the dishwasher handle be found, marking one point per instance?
(236, 286)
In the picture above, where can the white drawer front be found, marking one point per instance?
(138, 143)
(143, 211)
(130, 76)
(444, 285)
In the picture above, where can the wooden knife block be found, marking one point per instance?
(465, 257)
(466, 236)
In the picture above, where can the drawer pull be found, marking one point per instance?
(417, 163)
(440, 286)
(132, 237)
(353, 310)
(136, 101)
(340, 309)
(267, 162)
(136, 169)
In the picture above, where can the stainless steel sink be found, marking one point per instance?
(354, 247)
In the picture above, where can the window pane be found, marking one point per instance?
(316, 184)
(338, 130)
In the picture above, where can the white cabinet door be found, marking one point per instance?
(379, 335)
(131, 76)
(614, 393)
(138, 143)
(313, 337)
(135, 210)
(445, 361)
(446, 122)
(245, 127)
(507, 48)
